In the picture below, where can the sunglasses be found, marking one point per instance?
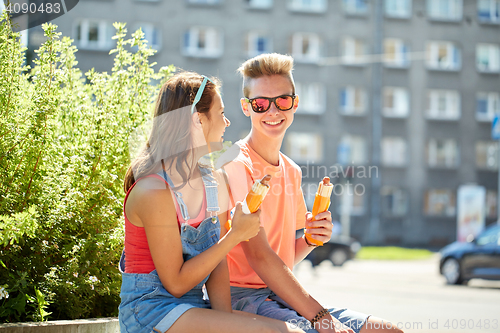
(262, 104)
(199, 93)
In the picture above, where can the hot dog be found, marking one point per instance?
(254, 198)
(321, 204)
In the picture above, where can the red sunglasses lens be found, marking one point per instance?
(284, 103)
(260, 105)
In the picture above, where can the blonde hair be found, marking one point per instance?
(171, 137)
(265, 65)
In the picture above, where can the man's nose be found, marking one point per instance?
(273, 110)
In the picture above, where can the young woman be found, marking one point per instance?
(172, 231)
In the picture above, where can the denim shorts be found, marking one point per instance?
(266, 303)
(146, 305)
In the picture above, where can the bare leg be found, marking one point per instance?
(378, 325)
(207, 321)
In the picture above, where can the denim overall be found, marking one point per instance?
(146, 305)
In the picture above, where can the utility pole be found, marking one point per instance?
(374, 226)
(495, 135)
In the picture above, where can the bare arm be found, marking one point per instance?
(218, 283)
(218, 288)
(156, 210)
(278, 277)
(301, 250)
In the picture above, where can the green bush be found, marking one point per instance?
(64, 149)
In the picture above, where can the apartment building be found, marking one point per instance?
(397, 97)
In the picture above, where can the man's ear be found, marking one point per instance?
(295, 103)
(244, 107)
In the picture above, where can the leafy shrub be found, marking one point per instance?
(64, 149)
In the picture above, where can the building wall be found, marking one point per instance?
(236, 19)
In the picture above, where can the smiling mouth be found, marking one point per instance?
(273, 123)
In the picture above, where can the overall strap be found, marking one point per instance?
(211, 191)
(178, 195)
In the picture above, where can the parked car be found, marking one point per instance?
(338, 250)
(477, 258)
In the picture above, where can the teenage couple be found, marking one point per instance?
(177, 205)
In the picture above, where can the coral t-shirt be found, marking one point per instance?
(282, 212)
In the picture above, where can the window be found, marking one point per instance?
(443, 105)
(395, 53)
(351, 150)
(440, 202)
(394, 201)
(396, 102)
(258, 43)
(306, 47)
(93, 34)
(442, 153)
(151, 34)
(487, 105)
(351, 199)
(358, 202)
(310, 6)
(443, 56)
(487, 155)
(488, 11)
(488, 57)
(260, 4)
(358, 7)
(353, 51)
(491, 204)
(305, 147)
(352, 101)
(447, 10)
(489, 237)
(312, 97)
(398, 8)
(202, 42)
(394, 152)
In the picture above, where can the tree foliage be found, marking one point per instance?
(64, 149)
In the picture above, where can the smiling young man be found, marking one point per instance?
(260, 269)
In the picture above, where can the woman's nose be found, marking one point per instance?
(227, 122)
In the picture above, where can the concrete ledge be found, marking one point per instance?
(98, 325)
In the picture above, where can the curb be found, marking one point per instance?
(101, 325)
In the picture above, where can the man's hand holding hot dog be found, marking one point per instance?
(321, 228)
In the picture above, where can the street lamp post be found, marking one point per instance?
(374, 226)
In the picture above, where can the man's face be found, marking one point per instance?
(273, 123)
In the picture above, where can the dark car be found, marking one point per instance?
(478, 258)
(338, 250)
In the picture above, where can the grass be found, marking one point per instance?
(392, 253)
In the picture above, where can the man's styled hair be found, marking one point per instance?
(265, 65)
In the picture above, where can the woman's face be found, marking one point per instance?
(215, 124)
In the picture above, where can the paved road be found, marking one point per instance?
(410, 293)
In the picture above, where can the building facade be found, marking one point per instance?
(397, 97)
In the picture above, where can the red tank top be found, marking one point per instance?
(138, 258)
